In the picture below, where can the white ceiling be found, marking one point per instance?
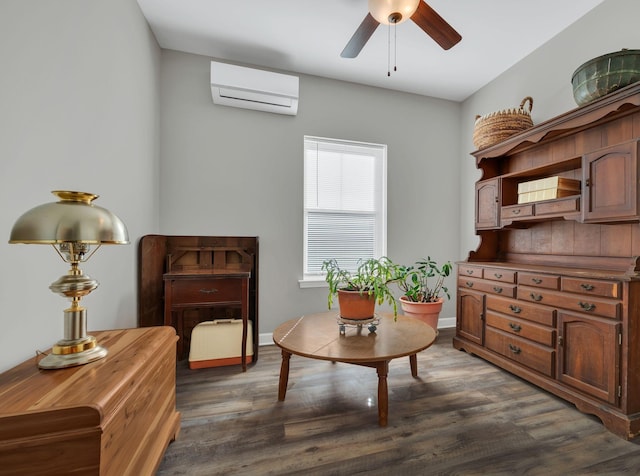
(307, 36)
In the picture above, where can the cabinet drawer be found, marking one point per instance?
(574, 302)
(519, 327)
(202, 291)
(523, 310)
(513, 212)
(558, 206)
(539, 280)
(508, 290)
(503, 275)
(594, 287)
(529, 354)
(472, 271)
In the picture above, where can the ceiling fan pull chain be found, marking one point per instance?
(389, 50)
(395, 46)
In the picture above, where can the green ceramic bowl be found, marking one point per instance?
(604, 74)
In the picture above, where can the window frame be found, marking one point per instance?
(379, 151)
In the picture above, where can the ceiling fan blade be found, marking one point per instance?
(360, 37)
(435, 26)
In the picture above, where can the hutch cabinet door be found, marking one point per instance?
(470, 320)
(487, 206)
(610, 178)
(589, 355)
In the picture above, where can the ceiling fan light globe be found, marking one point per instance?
(381, 10)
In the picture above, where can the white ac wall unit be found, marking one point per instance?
(249, 88)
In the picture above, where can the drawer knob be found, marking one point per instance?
(497, 289)
(586, 287)
(497, 275)
(587, 306)
(515, 327)
(209, 291)
(516, 211)
(515, 309)
(469, 284)
(536, 280)
(515, 349)
(469, 271)
(536, 297)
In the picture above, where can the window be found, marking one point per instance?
(344, 203)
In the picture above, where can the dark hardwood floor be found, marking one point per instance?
(462, 416)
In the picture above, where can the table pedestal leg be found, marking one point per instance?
(413, 362)
(383, 393)
(284, 375)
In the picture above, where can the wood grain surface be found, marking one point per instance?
(317, 336)
(114, 416)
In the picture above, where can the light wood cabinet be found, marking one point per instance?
(552, 293)
(114, 416)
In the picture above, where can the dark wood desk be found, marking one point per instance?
(202, 288)
(317, 336)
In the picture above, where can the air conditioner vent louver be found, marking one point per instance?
(248, 88)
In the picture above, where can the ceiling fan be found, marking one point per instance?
(393, 12)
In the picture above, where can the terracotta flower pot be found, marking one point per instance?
(427, 312)
(354, 305)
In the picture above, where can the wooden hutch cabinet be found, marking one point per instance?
(552, 293)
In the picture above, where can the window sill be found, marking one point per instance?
(312, 283)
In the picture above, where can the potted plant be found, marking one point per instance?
(358, 291)
(422, 285)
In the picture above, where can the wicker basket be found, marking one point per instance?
(497, 126)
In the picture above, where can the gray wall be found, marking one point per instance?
(79, 111)
(545, 75)
(88, 101)
(228, 171)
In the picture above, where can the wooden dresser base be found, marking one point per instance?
(115, 416)
(625, 426)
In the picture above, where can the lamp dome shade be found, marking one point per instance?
(382, 9)
(73, 218)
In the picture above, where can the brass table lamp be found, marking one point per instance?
(73, 225)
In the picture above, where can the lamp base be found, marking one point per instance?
(72, 353)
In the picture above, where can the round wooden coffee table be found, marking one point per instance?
(318, 336)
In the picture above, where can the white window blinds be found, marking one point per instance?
(344, 202)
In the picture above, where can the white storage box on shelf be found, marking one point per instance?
(218, 343)
(547, 188)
